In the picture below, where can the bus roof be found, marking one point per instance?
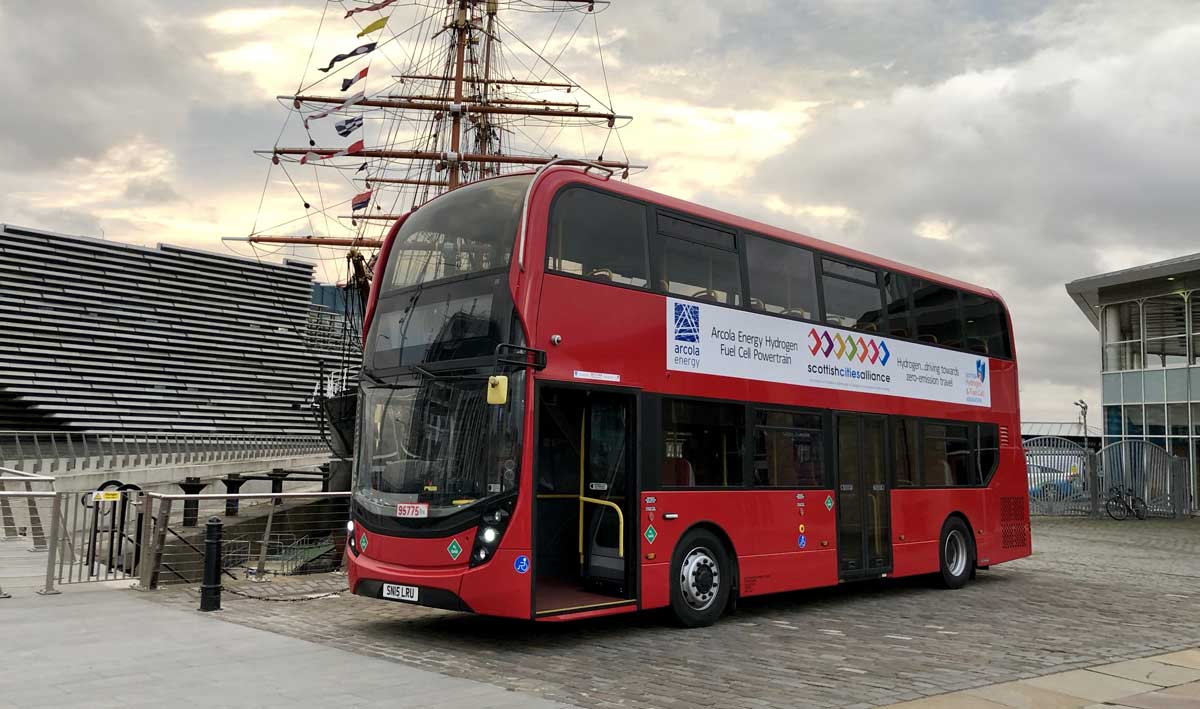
(745, 224)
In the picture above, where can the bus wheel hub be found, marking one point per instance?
(699, 578)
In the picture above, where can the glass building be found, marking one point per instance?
(1148, 318)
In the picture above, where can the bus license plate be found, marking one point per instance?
(412, 510)
(396, 592)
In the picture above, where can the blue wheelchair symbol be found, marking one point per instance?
(802, 541)
(521, 564)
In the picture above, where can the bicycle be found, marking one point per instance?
(1122, 503)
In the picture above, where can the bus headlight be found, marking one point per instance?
(492, 524)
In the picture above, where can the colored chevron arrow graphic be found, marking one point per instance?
(853, 348)
(816, 345)
(874, 351)
(828, 343)
(886, 354)
(863, 344)
(841, 347)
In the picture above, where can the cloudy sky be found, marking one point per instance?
(1014, 144)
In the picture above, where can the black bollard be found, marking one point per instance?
(210, 586)
(191, 508)
(233, 485)
(278, 475)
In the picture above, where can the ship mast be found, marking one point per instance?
(471, 96)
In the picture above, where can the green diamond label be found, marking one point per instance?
(455, 549)
(650, 534)
(829, 502)
(362, 541)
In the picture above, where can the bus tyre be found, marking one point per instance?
(701, 573)
(956, 553)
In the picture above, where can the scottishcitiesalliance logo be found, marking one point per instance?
(852, 349)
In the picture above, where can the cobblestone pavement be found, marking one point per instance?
(1095, 591)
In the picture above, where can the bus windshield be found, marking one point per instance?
(467, 231)
(436, 447)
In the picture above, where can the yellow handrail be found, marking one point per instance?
(594, 501)
(620, 525)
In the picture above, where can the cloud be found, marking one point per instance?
(153, 190)
(1020, 177)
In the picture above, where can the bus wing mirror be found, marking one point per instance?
(497, 391)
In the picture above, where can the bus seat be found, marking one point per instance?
(677, 472)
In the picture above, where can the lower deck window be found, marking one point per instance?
(702, 444)
(947, 455)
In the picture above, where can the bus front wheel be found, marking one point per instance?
(701, 574)
(956, 552)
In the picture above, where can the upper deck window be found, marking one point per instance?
(697, 261)
(782, 278)
(935, 311)
(986, 326)
(598, 236)
(467, 231)
(851, 295)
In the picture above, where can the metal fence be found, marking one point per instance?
(59, 452)
(1068, 479)
(264, 535)
(113, 535)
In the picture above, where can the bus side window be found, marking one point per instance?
(946, 449)
(906, 467)
(782, 278)
(896, 306)
(597, 236)
(986, 326)
(987, 452)
(851, 295)
(935, 310)
(788, 450)
(702, 444)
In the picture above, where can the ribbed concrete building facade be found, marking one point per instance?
(104, 336)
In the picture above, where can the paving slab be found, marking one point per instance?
(1185, 658)
(954, 700)
(1150, 671)
(1024, 695)
(114, 648)
(1091, 685)
(1161, 700)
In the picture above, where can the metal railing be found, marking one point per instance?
(1067, 479)
(59, 452)
(272, 534)
(15, 517)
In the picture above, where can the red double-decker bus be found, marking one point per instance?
(583, 398)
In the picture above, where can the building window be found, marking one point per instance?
(1166, 331)
(1134, 423)
(1194, 309)
(935, 310)
(788, 450)
(782, 278)
(946, 450)
(598, 236)
(1122, 324)
(702, 444)
(1177, 419)
(906, 470)
(851, 295)
(1156, 420)
(1112, 420)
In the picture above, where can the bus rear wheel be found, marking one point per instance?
(956, 553)
(701, 573)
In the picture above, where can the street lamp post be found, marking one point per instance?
(1083, 409)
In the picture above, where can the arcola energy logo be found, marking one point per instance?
(848, 347)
